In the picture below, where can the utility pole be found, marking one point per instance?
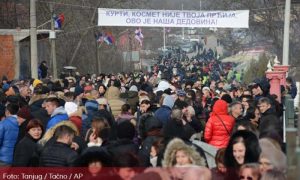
(33, 40)
(52, 40)
(182, 27)
(286, 33)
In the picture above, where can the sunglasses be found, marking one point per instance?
(246, 177)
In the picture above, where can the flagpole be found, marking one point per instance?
(164, 38)
(53, 50)
(182, 27)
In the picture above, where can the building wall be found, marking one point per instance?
(7, 56)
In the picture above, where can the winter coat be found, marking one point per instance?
(122, 146)
(270, 123)
(115, 102)
(215, 132)
(132, 99)
(164, 112)
(176, 145)
(91, 108)
(57, 116)
(58, 155)
(124, 117)
(24, 151)
(9, 130)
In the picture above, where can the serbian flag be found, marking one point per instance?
(58, 20)
(139, 36)
(109, 38)
(99, 37)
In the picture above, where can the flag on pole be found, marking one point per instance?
(139, 36)
(105, 37)
(58, 20)
(99, 37)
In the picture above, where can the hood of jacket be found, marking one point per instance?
(168, 101)
(220, 108)
(177, 144)
(59, 110)
(112, 93)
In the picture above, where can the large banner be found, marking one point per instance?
(173, 18)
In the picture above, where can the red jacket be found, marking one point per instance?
(215, 133)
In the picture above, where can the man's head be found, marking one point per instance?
(264, 104)
(51, 104)
(24, 91)
(11, 109)
(64, 134)
(245, 99)
(236, 109)
(256, 90)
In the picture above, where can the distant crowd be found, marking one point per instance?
(195, 115)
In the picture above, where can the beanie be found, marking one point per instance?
(125, 130)
(24, 113)
(36, 82)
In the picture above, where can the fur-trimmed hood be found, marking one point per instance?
(178, 144)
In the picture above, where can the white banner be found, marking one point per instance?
(173, 18)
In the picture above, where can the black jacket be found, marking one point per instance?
(122, 146)
(24, 152)
(270, 124)
(58, 155)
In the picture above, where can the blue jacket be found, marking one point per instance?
(57, 116)
(9, 131)
(164, 112)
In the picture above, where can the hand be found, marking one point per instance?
(74, 146)
(93, 138)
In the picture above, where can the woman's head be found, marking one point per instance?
(178, 153)
(249, 171)
(243, 148)
(35, 129)
(244, 125)
(98, 124)
(102, 89)
(219, 160)
(182, 158)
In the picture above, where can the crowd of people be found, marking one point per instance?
(153, 119)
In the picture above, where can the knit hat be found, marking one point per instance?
(163, 85)
(133, 88)
(36, 82)
(88, 88)
(181, 92)
(125, 130)
(24, 113)
(142, 98)
(168, 101)
(5, 87)
(71, 107)
(205, 88)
